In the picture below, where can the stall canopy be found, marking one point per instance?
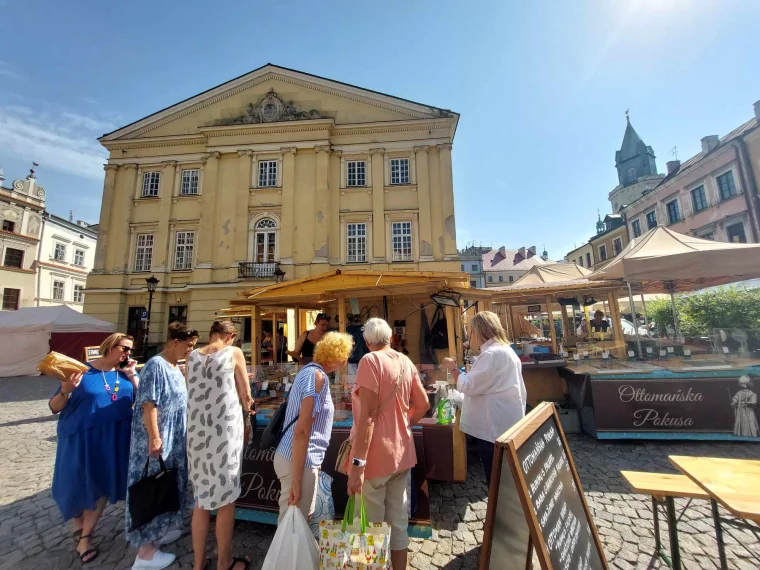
(554, 273)
(29, 334)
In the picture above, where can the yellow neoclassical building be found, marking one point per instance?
(276, 174)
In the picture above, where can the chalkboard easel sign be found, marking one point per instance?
(91, 353)
(536, 501)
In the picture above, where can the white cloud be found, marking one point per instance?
(6, 70)
(62, 141)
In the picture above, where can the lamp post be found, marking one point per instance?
(152, 282)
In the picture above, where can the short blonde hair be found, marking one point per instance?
(334, 348)
(488, 326)
(111, 341)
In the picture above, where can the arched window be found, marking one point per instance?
(265, 241)
(632, 175)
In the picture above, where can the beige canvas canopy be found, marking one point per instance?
(554, 273)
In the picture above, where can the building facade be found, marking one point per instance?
(504, 266)
(611, 238)
(21, 209)
(277, 174)
(712, 195)
(583, 256)
(471, 258)
(66, 256)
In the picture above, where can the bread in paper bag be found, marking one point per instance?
(60, 366)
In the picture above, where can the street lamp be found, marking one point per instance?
(152, 282)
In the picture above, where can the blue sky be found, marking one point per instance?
(541, 87)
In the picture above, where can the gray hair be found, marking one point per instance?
(377, 332)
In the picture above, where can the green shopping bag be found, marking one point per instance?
(350, 545)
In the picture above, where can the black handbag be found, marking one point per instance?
(274, 431)
(153, 495)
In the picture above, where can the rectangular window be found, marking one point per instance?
(490, 278)
(588, 260)
(726, 185)
(651, 220)
(356, 173)
(617, 245)
(144, 252)
(357, 243)
(9, 226)
(636, 227)
(501, 278)
(10, 299)
(402, 241)
(580, 261)
(189, 182)
(267, 173)
(463, 267)
(60, 252)
(183, 251)
(708, 235)
(473, 283)
(79, 257)
(698, 199)
(511, 278)
(735, 233)
(14, 257)
(57, 290)
(399, 171)
(474, 267)
(674, 212)
(150, 184)
(602, 253)
(79, 293)
(178, 314)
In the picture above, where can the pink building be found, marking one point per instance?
(712, 195)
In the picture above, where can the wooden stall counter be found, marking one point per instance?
(543, 382)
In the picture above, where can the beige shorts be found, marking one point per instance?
(386, 500)
(284, 472)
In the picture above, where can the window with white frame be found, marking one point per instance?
(501, 278)
(617, 245)
(511, 278)
(356, 173)
(602, 253)
(151, 181)
(356, 244)
(474, 267)
(698, 199)
(636, 227)
(402, 241)
(651, 220)
(60, 252)
(399, 171)
(490, 278)
(267, 173)
(674, 211)
(189, 185)
(265, 241)
(726, 185)
(79, 257)
(144, 252)
(79, 293)
(57, 290)
(183, 250)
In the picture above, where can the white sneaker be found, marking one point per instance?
(160, 560)
(169, 537)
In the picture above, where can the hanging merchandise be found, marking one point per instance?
(399, 336)
(439, 332)
(360, 347)
(427, 354)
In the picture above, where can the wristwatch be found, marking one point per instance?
(359, 462)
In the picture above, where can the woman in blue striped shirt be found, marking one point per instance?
(302, 447)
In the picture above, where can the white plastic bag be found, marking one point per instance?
(293, 546)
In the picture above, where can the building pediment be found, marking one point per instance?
(271, 109)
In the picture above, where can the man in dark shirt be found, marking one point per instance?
(599, 323)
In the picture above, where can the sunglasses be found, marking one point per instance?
(125, 348)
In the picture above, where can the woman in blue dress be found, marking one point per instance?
(93, 439)
(159, 429)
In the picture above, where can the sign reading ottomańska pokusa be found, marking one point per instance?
(719, 405)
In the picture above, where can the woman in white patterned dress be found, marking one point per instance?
(218, 408)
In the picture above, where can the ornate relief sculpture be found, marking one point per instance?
(271, 109)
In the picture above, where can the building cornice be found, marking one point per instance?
(22, 237)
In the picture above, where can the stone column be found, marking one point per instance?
(242, 195)
(105, 217)
(334, 243)
(423, 197)
(210, 166)
(323, 214)
(287, 232)
(447, 199)
(436, 203)
(162, 258)
(378, 205)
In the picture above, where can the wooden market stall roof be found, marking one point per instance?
(530, 293)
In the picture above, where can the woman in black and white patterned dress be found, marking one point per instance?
(218, 406)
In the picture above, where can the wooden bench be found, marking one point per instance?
(663, 488)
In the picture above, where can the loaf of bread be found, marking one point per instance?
(60, 366)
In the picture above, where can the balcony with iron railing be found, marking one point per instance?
(269, 271)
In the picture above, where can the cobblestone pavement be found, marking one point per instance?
(33, 536)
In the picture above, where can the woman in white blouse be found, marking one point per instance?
(494, 391)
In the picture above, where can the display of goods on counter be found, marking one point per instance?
(524, 358)
(547, 357)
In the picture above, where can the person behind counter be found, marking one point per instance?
(494, 391)
(93, 439)
(159, 430)
(303, 351)
(218, 390)
(599, 323)
(309, 415)
(388, 399)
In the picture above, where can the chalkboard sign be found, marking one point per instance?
(536, 501)
(91, 353)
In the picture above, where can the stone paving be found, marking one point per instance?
(33, 536)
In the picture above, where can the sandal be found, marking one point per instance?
(92, 552)
(246, 562)
(77, 535)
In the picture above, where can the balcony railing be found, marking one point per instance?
(264, 271)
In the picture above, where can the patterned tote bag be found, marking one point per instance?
(351, 545)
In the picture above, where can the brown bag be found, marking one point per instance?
(344, 453)
(60, 366)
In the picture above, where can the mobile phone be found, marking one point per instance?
(124, 363)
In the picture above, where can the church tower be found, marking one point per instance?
(635, 159)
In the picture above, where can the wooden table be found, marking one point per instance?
(734, 483)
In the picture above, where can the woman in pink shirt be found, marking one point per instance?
(387, 400)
